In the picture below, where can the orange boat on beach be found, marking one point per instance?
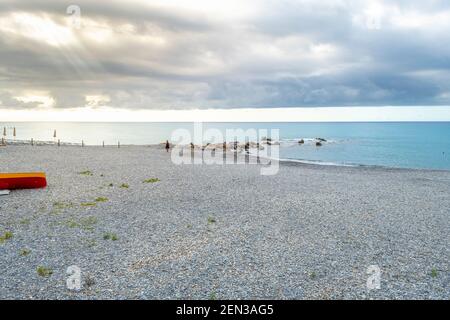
(28, 180)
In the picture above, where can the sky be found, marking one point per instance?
(253, 59)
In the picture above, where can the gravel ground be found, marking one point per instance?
(213, 231)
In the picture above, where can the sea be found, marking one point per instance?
(424, 145)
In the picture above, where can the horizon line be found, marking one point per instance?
(286, 114)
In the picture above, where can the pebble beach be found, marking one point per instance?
(141, 227)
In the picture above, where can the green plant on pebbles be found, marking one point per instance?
(434, 273)
(86, 223)
(24, 252)
(59, 206)
(86, 173)
(44, 272)
(72, 224)
(101, 199)
(211, 220)
(124, 185)
(6, 236)
(312, 275)
(88, 204)
(151, 180)
(110, 236)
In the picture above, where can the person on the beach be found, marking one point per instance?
(192, 150)
(167, 145)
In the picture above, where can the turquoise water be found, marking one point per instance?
(407, 145)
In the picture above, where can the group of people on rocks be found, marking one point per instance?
(235, 146)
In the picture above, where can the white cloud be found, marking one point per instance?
(36, 28)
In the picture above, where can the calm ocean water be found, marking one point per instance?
(407, 145)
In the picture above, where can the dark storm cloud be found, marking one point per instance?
(167, 55)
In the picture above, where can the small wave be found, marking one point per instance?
(254, 152)
(307, 141)
(321, 163)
